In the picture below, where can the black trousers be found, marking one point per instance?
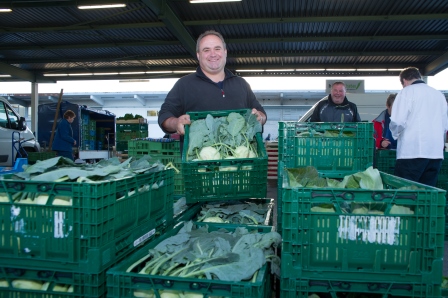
(422, 170)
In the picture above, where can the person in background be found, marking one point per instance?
(336, 107)
(211, 88)
(419, 123)
(383, 136)
(63, 138)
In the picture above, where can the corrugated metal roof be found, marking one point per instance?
(40, 38)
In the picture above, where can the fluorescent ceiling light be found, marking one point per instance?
(5, 76)
(184, 71)
(162, 71)
(311, 69)
(279, 69)
(371, 69)
(105, 73)
(80, 74)
(132, 72)
(249, 70)
(212, 1)
(102, 6)
(134, 81)
(5, 10)
(346, 69)
(55, 74)
(393, 69)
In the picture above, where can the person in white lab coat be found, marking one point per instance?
(419, 124)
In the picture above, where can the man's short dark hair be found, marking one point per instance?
(410, 73)
(339, 83)
(209, 32)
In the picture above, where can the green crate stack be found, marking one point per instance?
(33, 157)
(349, 148)
(132, 126)
(101, 138)
(402, 248)
(385, 160)
(122, 146)
(105, 222)
(165, 150)
(205, 182)
(123, 284)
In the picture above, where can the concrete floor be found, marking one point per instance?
(272, 193)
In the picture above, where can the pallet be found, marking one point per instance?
(272, 150)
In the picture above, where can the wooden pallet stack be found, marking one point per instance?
(272, 150)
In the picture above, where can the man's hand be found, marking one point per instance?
(261, 117)
(181, 122)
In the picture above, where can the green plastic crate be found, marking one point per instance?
(105, 222)
(132, 126)
(385, 160)
(130, 135)
(166, 152)
(154, 146)
(35, 156)
(335, 287)
(83, 284)
(122, 146)
(369, 247)
(350, 149)
(122, 284)
(193, 211)
(204, 181)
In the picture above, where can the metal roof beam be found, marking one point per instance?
(235, 41)
(97, 99)
(140, 99)
(83, 27)
(418, 17)
(17, 72)
(174, 24)
(232, 55)
(437, 65)
(16, 100)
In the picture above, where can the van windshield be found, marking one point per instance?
(8, 119)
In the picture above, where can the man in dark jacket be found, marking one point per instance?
(336, 107)
(210, 88)
(63, 139)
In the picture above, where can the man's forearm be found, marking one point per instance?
(170, 124)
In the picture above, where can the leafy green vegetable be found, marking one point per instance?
(309, 177)
(216, 138)
(236, 212)
(197, 253)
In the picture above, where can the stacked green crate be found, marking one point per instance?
(92, 135)
(127, 130)
(100, 138)
(72, 246)
(165, 150)
(35, 156)
(385, 162)
(395, 246)
(85, 133)
(337, 149)
(211, 180)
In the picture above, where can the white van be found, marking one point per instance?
(370, 105)
(15, 136)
